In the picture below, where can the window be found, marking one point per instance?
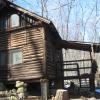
(3, 23)
(12, 57)
(16, 56)
(2, 58)
(14, 20)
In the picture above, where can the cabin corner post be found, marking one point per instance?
(44, 89)
(60, 76)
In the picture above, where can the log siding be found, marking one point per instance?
(53, 55)
(31, 43)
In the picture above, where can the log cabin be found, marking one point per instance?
(28, 49)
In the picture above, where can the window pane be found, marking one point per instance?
(14, 20)
(2, 58)
(16, 57)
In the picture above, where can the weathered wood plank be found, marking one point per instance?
(52, 54)
(31, 44)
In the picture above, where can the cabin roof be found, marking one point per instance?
(18, 8)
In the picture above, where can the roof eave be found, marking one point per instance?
(18, 8)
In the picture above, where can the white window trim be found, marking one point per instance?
(11, 57)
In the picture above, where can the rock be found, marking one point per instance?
(20, 90)
(19, 84)
(61, 95)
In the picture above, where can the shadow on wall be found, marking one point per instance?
(35, 44)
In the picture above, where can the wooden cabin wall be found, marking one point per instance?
(53, 55)
(30, 42)
(2, 4)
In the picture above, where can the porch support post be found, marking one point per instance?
(44, 89)
(92, 54)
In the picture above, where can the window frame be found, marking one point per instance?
(11, 56)
(11, 20)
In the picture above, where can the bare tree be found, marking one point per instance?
(44, 8)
